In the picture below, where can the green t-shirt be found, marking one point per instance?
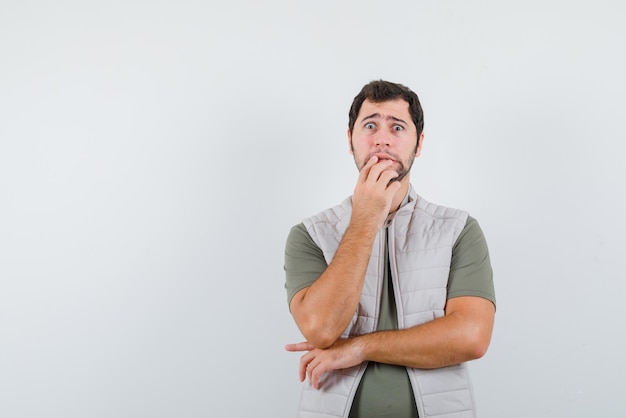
(385, 389)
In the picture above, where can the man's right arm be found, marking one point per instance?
(323, 310)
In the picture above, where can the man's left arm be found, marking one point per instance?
(462, 334)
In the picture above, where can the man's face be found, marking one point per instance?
(386, 130)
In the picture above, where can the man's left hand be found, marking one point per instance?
(342, 354)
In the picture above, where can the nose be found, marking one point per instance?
(382, 140)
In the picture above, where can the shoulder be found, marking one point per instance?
(298, 234)
(331, 215)
(471, 234)
(435, 218)
(300, 249)
(435, 211)
(331, 223)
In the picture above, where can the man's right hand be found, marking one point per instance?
(373, 194)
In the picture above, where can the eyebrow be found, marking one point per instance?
(378, 115)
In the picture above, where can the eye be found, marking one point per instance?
(398, 128)
(370, 125)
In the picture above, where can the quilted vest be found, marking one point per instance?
(421, 236)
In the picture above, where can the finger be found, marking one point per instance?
(387, 176)
(309, 369)
(303, 346)
(364, 173)
(378, 169)
(302, 371)
(316, 375)
(393, 187)
(305, 360)
(311, 374)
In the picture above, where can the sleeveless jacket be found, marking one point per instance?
(421, 236)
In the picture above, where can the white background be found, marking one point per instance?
(154, 154)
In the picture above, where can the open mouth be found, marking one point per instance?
(384, 157)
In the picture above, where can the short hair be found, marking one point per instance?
(379, 91)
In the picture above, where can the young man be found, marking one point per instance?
(393, 294)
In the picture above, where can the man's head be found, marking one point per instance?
(386, 121)
(379, 91)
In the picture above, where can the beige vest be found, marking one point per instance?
(421, 236)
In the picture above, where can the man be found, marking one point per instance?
(393, 294)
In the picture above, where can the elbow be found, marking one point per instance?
(478, 350)
(322, 341)
(476, 344)
(318, 327)
(319, 336)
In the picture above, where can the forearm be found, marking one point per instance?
(324, 310)
(451, 339)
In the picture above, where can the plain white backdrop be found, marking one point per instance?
(154, 154)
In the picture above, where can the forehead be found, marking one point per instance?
(398, 108)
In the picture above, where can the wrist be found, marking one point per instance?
(364, 225)
(359, 347)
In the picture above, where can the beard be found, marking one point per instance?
(402, 167)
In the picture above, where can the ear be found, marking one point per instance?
(419, 145)
(350, 147)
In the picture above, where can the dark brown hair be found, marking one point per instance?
(381, 91)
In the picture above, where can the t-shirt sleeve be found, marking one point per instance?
(470, 269)
(304, 261)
